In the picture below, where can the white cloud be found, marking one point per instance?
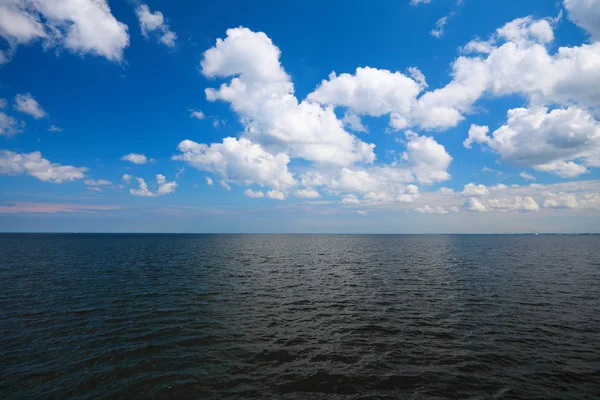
(155, 22)
(527, 176)
(353, 121)
(197, 114)
(95, 189)
(225, 185)
(362, 212)
(254, 195)
(369, 91)
(239, 161)
(25, 103)
(429, 159)
(307, 193)
(8, 125)
(33, 164)
(586, 14)
(417, 2)
(438, 31)
(127, 178)
(276, 195)
(81, 26)
(473, 190)
(54, 128)
(100, 182)
(135, 158)
(209, 181)
(162, 187)
(545, 141)
(477, 134)
(516, 203)
(473, 204)
(261, 93)
(435, 210)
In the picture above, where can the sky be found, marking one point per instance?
(406, 116)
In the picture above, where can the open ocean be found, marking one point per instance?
(93, 316)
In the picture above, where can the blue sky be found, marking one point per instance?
(383, 117)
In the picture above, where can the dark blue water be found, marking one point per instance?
(299, 316)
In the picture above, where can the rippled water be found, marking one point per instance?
(299, 316)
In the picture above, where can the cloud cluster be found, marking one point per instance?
(80, 26)
(33, 164)
(162, 186)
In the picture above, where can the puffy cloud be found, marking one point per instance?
(429, 159)
(546, 141)
(276, 195)
(135, 158)
(155, 22)
(561, 200)
(8, 125)
(25, 103)
(369, 91)
(127, 178)
(239, 161)
(586, 14)
(254, 195)
(516, 203)
(33, 164)
(473, 190)
(261, 93)
(54, 128)
(417, 2)
(477, 134)
(163, 187)
(209, 181)
(473, 204)
(81, 26)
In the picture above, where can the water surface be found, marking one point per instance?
(299, 316)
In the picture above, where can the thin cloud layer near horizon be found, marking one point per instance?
(409, 117)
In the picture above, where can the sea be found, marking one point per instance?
(199, 316)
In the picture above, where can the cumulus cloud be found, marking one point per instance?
(473, 204)
(586, 14)
(35, 165)
(435, 210)
(25, 103)
(54, 128)
(473, 190)
(209, 181)
(544, 140)
(162, 187)
(254, 195)
(262, 94)
(527, 176)
(276, 195)
(135, 158)
(239, 161)
(154, 23)
(80, 26)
